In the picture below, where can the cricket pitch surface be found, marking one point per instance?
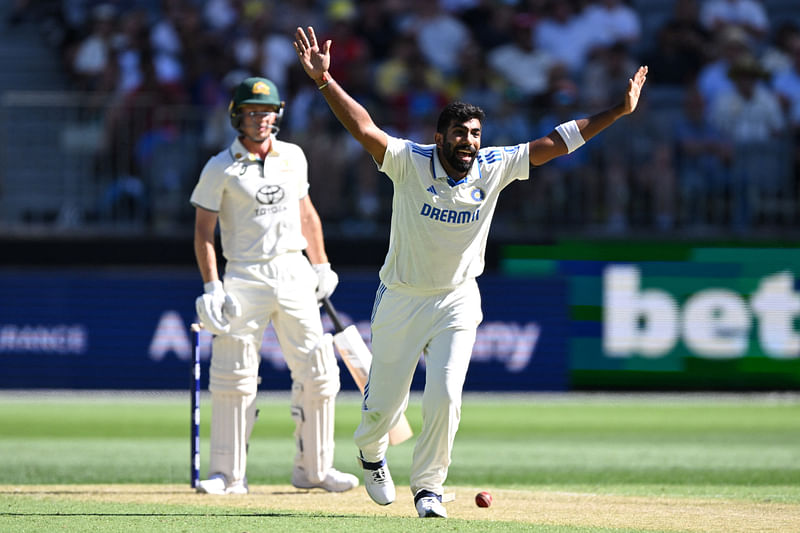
(525, 506)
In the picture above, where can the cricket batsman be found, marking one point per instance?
(257, 189)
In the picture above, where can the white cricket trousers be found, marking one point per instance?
(441, 326)
(280, 291)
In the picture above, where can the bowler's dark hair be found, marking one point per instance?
(458, 112)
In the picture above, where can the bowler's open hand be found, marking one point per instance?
(634, 90)
(315, 59)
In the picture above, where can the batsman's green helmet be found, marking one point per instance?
(253, 91)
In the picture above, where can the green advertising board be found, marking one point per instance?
(675, 316)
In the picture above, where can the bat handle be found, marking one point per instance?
(337, 322)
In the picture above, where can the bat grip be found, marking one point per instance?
(337, 322)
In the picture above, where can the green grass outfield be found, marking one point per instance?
(555, 463)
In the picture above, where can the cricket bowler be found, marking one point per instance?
(428, 300)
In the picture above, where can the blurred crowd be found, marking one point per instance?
(716, 143)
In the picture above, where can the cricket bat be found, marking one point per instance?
(357, 358)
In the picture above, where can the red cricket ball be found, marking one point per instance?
(483, 499)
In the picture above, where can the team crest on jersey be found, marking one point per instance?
(270, 194)
(478, 194)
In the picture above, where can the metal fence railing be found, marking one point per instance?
(87, 163)
(81, 162)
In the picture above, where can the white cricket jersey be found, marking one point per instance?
(258, 202)
(439, 226)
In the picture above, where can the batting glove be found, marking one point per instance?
(215, 307)
(327, 280)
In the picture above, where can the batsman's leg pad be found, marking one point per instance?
(234, 365)
(313, 408)
(233, 382)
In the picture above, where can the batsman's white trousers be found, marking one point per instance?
(282, 291)
(406, 324)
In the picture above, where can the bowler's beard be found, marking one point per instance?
(451, 156)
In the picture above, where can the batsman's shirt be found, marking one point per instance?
(258, 201)
(439, 225)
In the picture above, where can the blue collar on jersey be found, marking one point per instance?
(450, 181)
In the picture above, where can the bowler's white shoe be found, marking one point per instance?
(378, 482)
(334, 481)
(429, 505)
(216, 484)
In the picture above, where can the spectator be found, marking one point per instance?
(565, 192)
(220, 15)
(702, 160)
(604, 74)
(277, 57)
(129, 45)
(514, 119)
(309, 12)
(524, 67)
(566, 35)
(351, 49)
(211, 91)
(206, 60)
(713, 77)
(750, 111)
(138, 126)
(393, 76)
(436, 31)
(245, 50)
(749, 116)
(481, 86)
(418, 100)
(369, 204)
(615, 21)
(778, 55)
(262, 47)
(176, 40)
(749, 15)
(164, 36)
(638, 167)
(329, 158)
(94, 54)
(490, 22)
(376, 28)
(787, 83)
(680, 49)
(787, 86)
